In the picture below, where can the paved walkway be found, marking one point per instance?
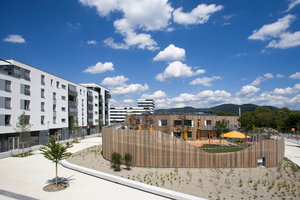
(24, 178)
(292, 151)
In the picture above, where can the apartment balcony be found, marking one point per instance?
(73, 103)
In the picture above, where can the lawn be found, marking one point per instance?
(214, 148)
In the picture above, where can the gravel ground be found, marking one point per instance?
(212, 183)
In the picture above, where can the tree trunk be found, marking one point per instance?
(56, 174)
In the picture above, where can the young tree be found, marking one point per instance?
(55, 152)
(116, 161)
(23, 128)
(128, 160)
(74, 128)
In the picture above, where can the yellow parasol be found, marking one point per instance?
(235, 134)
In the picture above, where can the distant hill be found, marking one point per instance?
(229, 108)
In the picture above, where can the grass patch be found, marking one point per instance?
(21, 155)
(220, 149)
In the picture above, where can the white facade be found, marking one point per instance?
(49, 101)
(147, 103)
(103, 101)
(118, 114)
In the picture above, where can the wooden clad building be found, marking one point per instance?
(198, 127)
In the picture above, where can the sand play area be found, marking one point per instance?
(281, 182)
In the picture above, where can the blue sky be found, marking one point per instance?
(180, 53)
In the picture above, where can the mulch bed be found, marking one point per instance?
(53, 188)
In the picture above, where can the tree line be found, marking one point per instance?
(282, 119)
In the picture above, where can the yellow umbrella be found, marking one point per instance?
(235, 134)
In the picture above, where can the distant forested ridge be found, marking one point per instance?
(228, 108)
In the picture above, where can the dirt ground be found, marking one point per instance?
(281, 182)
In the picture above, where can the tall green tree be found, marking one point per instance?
(220, 128)
(23, 128)
(55, 152)
(280, 117)
(246, 121)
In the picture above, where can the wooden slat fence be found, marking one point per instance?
(157, 149)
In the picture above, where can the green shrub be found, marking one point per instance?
(128, 160)
(116, 161)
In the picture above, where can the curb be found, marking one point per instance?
(129, 183)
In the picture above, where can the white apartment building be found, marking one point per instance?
(50, 104)
(103, 102)
(118, 114)
(147, 103)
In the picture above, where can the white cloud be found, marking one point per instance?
(241, 54)
(146, 15)
(280, 91)
(292, 4)
(91, 42)
(100, 68)
(114, 81)
(177, 70)
(198, 15)
(206, 81)
(156, 95)
(129, 89)
(259, 79)
(110, 42)
(228, 17)
(280, 76)
(295, 76)
(14, 39)
(272, 30)
(129, 101)
(247, 91)
(74, 27)
(286, 40)
(170, 53)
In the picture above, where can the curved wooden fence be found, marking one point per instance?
(157, 149)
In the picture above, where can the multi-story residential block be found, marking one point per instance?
(103, 101)
(50, 104)
(147, 103)
(118, 114)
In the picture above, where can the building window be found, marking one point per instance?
(25, 104)
(96, 105)
(162, 122)
(27, 90)
(138, 121)
(43, 79)
(42, 120)
(27, 75)
(7, 103)
(63, 98)
(63, 120)
(96, 113)
(8, 86)
(54, 120)
(7, 120)
(207, 122)
(42, 93)
(54, 95)
(54, 107)
(96, 97)
(80, 91)
(42, 106)
(63, 109)
(27, 119)
(17, 72)
(63, 86)
(57, 84)
(51, 82)
(177, 122)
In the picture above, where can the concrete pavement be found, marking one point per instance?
(27, 177)
(292, 151)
